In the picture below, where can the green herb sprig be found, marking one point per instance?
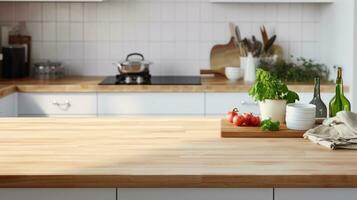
(300, 70)
(269, 125)
(269, 87)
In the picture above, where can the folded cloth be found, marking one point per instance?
(339, 132)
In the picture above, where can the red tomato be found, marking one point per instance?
(230, 115)
(239, 120)
(255, 121)
(248, 117)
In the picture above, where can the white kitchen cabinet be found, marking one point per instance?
(272, 1)
(195, 194)
(151, 104)
(58, 194)
(221, 103)
(8, 106)
(315, 194)
(57, 104)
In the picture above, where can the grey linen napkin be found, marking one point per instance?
(339, 132)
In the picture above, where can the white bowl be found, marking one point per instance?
(299, 126)
(300, 116)
(234, 73)
(299, 107)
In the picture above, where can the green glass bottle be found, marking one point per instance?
(321, 109)
(339, 102)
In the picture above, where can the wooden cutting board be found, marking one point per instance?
(227, 55)
(228, 130)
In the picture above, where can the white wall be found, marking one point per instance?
(337, 38)
(176, 35)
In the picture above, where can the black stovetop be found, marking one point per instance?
(159, 80)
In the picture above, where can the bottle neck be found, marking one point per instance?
(339, 82)
(317, 88)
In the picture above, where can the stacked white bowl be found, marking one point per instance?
(300, 116)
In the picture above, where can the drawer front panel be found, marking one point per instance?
(57, 104)
(58, 194)
(195, 194)
(8, 106)
(150, 103)
(314, 194)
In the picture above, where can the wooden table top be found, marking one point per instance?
(90, 84)
(159, 152)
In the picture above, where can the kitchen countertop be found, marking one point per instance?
(159, 152)
(90, 84)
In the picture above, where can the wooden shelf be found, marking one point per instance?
(272, 1)
(52, 0)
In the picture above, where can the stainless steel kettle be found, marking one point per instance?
(134, 63)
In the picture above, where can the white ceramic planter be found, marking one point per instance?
(273, 109)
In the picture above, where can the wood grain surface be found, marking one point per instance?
(90, 84)
(160, 152)
(228, 130)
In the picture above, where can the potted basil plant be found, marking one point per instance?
(273, 96)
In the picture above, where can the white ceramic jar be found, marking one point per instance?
(273, 109)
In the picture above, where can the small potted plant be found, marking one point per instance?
(273, 96)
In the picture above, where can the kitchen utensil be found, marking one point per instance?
(265, 36)
(26, 41)
(13, 64)
(228, 130)
(300, 116)
(227, 55)
(269, 45)
(132, 65)
(249, 68)
(234, 73)
(48, 70)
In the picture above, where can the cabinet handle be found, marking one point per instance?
(246, 103)
(63, 106)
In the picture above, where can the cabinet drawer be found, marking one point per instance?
(314, 194)
(8, 106)
(195, 194)
(221, 103)
(151, 103)
(58, 194)
(57, 104)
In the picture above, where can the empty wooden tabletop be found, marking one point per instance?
(160, 152)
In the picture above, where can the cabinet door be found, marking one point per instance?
(315, 194)
(195, 194)
(58, 194)
(151, 104)
(52, 104)
(221, 103)
(8, 106)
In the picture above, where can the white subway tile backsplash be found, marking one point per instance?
(76, 31)
(49, 31)
(90, 31)
(76, 50)
(21, 11)
(63, 12)
(62, 31)
(90, 12)
(63, 51)
(35, 12)
(49, 51)
(176, 35)
(90, 51)
(76, 12)
(35, 30)
(49, 12)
